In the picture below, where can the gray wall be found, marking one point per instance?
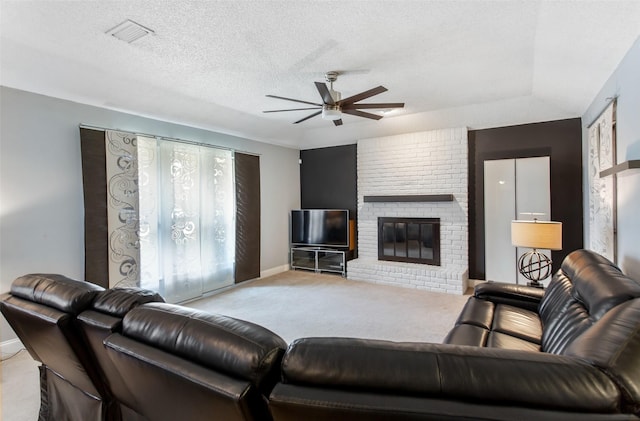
(41, 199)
(625, 84)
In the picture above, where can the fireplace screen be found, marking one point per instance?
(414, 240)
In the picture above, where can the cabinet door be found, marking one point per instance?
(304, 259)
(513, 189)
(499, 211)
(533, 197)
(331, 261)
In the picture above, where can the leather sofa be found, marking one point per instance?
(571, 351)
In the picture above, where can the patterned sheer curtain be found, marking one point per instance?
(602, 190)
(181, 213)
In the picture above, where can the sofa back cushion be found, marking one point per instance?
(56, 291)
(119, 301)
(179, 363)
(234, 347)
(585, 288)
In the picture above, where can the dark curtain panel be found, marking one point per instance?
(247, 217)
(96, 235)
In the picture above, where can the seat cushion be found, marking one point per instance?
(517, 322)
(504, 341)
(487, 324)
(477, 312)
(469, 335)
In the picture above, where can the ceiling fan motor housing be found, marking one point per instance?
(331, 77)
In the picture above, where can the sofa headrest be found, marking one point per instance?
(231, 346)
(57, 291)
(356, 363)
(119, 301)
(597, 283)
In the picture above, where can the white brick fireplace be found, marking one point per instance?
(425, 163)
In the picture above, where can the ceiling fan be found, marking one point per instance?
(333, 105)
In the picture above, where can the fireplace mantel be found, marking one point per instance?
(411, 198)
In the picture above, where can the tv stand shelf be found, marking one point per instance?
(319, 259)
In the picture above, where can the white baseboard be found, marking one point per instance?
(10, 347)
(274, 271)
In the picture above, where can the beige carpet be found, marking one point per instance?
(298, 304)
(293, 304)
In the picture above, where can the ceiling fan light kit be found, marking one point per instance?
(331, 112)
(333, 105)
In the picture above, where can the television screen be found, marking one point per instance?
(320, 227)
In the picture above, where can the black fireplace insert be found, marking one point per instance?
(413, 240)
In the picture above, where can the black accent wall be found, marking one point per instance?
(328, 178)
(562, 141)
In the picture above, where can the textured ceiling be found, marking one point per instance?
(473, 63)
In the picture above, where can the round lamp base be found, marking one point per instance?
(534, 266)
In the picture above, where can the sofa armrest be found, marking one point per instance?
(516, 295)
(491, 375)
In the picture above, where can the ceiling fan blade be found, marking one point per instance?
(362, 114)
(294, 100)
(337, 122)
(364, 95)
(379, 105)
(291, 109)
(324, 93)
(308, 117)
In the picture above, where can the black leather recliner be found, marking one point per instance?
(103, 318)
(185, 364)
(62, 322)
(42, 310)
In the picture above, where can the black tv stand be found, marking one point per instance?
(319, 259)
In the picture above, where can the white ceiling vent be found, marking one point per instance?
(129, 31)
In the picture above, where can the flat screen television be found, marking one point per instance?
(320, 227)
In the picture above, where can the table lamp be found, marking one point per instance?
(534, 265)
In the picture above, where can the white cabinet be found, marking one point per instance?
(513, 189)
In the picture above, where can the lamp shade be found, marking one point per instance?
(537, 234)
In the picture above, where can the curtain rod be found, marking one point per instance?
(609, 102)
(173, 139)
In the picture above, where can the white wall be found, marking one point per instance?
(41, 198)
(625, 84)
